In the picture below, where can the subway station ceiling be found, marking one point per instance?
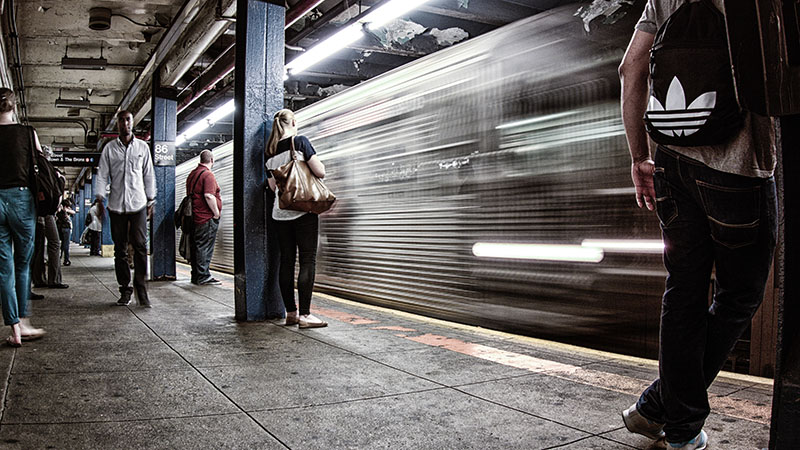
(74, 63)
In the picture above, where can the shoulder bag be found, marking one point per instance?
(185, 208)
(299, 189)
(47, 187)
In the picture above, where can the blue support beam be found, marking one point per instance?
(162, 226)
(76, 207)
(784, 433)
(86, 201)
(258, 94)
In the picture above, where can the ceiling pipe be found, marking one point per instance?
(205, 29)
(225, 63)
(299, 10)
(20, 83)
(179, 25)
(323, 20)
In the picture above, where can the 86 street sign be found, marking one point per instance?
(164, 153)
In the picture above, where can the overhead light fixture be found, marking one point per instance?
(375, 18)
(99, 19)
(326, 48)
(382, 14)
(207, 121)
(66, 103)
(84, 63)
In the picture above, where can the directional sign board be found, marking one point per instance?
(75, 159)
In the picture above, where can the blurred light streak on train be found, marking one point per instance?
(513, 137)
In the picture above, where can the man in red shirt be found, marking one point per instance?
(202, 186)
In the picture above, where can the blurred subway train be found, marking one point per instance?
(489, 184)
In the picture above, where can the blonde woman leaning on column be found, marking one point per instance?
(298, 232)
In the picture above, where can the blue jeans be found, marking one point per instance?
(66, 233)
(202, 247)
(17, 228)
(708, 219)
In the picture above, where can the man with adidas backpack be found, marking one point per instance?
(710, 180)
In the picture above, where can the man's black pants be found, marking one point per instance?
(131, 228)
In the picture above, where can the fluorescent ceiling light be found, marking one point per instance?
(65, 103)
(207, 121)
(84, 63)
(543, 252)
(326, 48)
(626, 245)
(385, 13)
(375, 18)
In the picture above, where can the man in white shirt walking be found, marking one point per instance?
(126, 168)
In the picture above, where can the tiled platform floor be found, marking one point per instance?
(186, 375)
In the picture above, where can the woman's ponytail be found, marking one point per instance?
(280, 122)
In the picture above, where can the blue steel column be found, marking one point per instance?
(87, 197)
(784, 433)
(259, 94)
(162, 227)
(76, 207)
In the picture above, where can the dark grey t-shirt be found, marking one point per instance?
(752, 151)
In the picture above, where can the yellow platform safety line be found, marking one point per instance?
(731, 376)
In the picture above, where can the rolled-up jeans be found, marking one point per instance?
(17, 227)
(708, 219)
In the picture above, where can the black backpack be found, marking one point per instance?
(692, 96)
(47, 187)
(183, 214)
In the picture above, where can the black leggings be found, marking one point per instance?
(301, 234)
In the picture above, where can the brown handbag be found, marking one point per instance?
(299, 189)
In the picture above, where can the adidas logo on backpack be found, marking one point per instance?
(689, 63)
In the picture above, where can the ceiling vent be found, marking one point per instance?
(65, 103)
(84, 63)
(99, 19)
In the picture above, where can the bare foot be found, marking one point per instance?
(15, 340)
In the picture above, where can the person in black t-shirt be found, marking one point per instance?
(17, 222)
(298, 231)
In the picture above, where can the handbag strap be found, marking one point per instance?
(33, 156)
(292, 150)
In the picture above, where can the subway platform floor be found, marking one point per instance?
(186, 375)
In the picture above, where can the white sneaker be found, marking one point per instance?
(309, 321)
(698, 443)
(636, 423)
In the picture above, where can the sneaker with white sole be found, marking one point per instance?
(698, 443)
(309, 321)
(636, 423)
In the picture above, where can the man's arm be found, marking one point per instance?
(211, 199)
(634, 73)
(102, 183)
(149, 178)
